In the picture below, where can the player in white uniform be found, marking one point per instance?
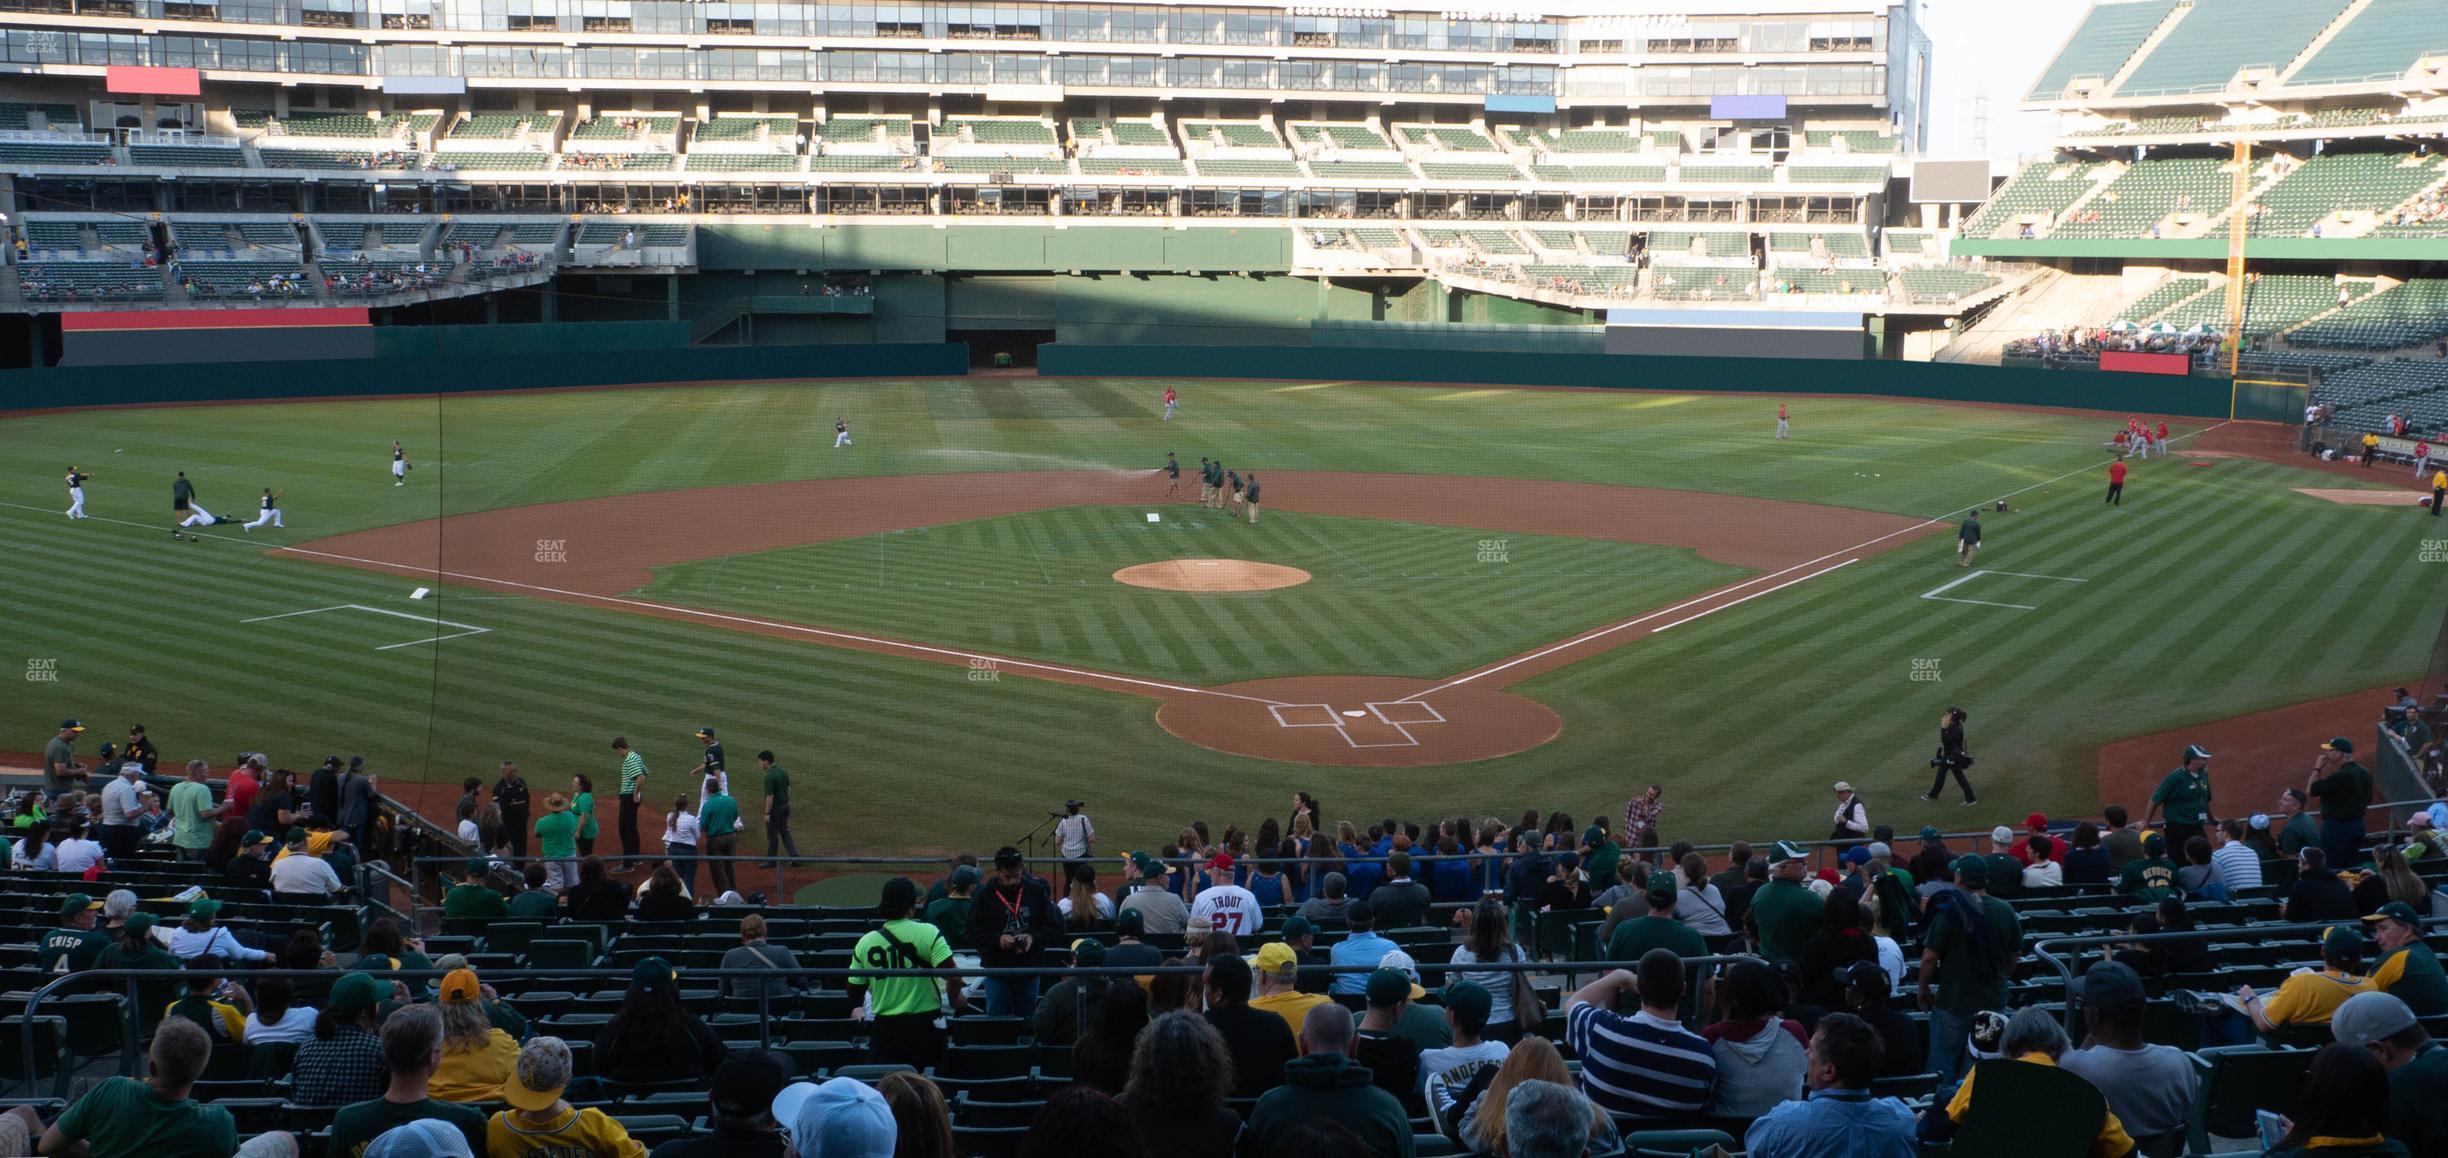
(841, 434)
(1223, 904)
(1783, 431)
(399, 465)
(76, 493)
(271, 512)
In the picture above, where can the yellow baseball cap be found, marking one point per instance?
(1277, 958)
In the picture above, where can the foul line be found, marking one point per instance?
(1754, 595)
(776, 625)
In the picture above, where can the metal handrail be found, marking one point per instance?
(2045, 947)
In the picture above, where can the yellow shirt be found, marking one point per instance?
(568, 1134)
(2371, 440)
(2111, 1142)
(1292, 1007)
(472, 1072)
(2309, 998)
(2439, 481)
(232, 1021)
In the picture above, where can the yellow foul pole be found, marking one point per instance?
(2238, 219)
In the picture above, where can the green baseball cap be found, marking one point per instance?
(1784, 850)
(2397, 911)
(1972, 870)
(1387, 986)
(478, 866)
(295, 835)
(1930, 832)
(75, 903)
(203, 907)
(142, 923)
(652, 975)
(2343, 937)
(1661, 889)
(1148, 866)
(1296, 927)
(352, 994)
(254, 837)
(2340, 744)
(1469, 1000)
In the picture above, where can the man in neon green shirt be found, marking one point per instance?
(905, 1011)
(557, 842)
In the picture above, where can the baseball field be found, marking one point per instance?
(1492, 598)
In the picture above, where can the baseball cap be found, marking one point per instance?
(2110, 983)
(1148, 865)
(542, 1072)
(460, 987)
(2002, 834)
(1879, 850)
(75, 903)
(1360, 913)
(423, 1138)
(2260, 821)
(71, 726)
(1592, 835)
(966, 876)
(352, 994)
(1130, 922)
(1387, 986)
(1930, 832)
(1294, 927)
(1844, 786)
(478, 866)
(1401, 962)
(1661, 889)
(203, 907)
(295, 835)
(1276, 957)
(746, 1082)
(1857, 854)
(705, 733)
(1782, 851)
(141, 923)
(2196, 752)
(2036, 820)
(652, 975)
(2339, 744)
(449, 962)
(1988, 1034)
(2154, 843)
(255, 837)
(1972, 871)
(1867, 975)
(2368, 1017)
(843, 1118)
(1470, 1000)
(2343, 937)
(1222, 862)
(1087, 951)
(2397, 911)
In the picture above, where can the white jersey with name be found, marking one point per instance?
(1228, 907)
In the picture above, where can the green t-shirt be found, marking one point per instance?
(719, 817)
(582, 806)
(1788, 917)
(535, 904)
(2301, 829)
(922, 946)
(1602, 861)
(557, 835)
(777, 785)
(124, 1118)
(57, 755)
(2344, 794)
(1641, 934)
(950, 916)
(472, 903)
(354, 1127)
(189, 827)
(2183, 797)
(1958, 991)
(2418, 980)
(2005, 874)
(2152, 880)
(71, 950)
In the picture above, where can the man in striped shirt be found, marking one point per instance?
(632, 786)
(1646, 1063)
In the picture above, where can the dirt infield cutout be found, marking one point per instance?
(2354, 498)
(608, 547)
(1211, 576)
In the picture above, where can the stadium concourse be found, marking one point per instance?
(2179, 975)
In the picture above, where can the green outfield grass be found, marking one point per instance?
(1384, 598)
(2214, 591)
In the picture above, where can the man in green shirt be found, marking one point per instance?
(470, 899)
(2344, 789)
(152, 997)
(60, 770)
(1784, 913)
(192, 813)
(2151, 879)
(777, 811)
(412, 1051)
(2005, 873)
(950, 912)
(557, 842)
(2417, 1067)
(1599, 855)
(2299, 828)
(718, 824)
(74, 946)
(154, 1118)
(536, 902)
(632, 788)
(903, 1010)
(1970, 965)
(2184, 795)
(2407, 969)
(1660, 930)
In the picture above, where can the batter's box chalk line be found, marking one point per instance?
(1309, 716)
(1399, 716)
(461, 629)
(1401, 712)
(1939, 593)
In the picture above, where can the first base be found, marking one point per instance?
(1153, 517)
(419, 593)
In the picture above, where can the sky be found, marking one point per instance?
(1998, 47)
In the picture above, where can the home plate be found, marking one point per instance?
(1355, 713)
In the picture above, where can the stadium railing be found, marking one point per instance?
(2047, 949)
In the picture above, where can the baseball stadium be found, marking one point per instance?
(682, 480)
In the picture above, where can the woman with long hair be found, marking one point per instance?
(477, 1057)
(922, 1123)
(1102, 1057)
(274, 808)
(1266, 878)
(1081, 1122)
(382, 948)
(1269, 835)
(2343, 1110)
(227, 836)
(1304, 804)
(663, 899)
(1699, 904)
(34, 853)
(2086, 860)
(1535, 1059)
(651, 1038)
(1083, 908)
(1951, 759)
(1489, 942)
(1180, 1075)
(492, 832)
(597, 896)
(2391, 879)
(1841, 942)
(680, 838)
(277, 1016)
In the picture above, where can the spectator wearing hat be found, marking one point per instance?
(136, 948)
(1011, 923)
(557, 842)
(2417, 1067)
(2344, 790)
(251, 868)
(2150, 1088)
(477, 1056)
(2183, 796)
(412, 1051)
(2005, 869)
(540, 1122)
(1145, 892)
(1301, 935)
(1784, 915)
(155, 1117)
(949, 913)
(76, 944)
(1325, 1085)
(1221, 904)
(1259, 1041)
(741, 1098)
(1838, 1118)
(421, 1139)
(1420, 1024)
(1363, 949)
(2153, 878)
(471, 900)
(1867, 987)
(1931, 856)
(2318, 894)
(117, 828)
(903, 1012)
(200, 936)
(1071, 1003)
(2309, 998)
(2036, 824)
(1392, 1060)
(302, 875)
(1643, 1063)
(1278, 991)
(1852, 820)
(2031, 1037)
(1129, 950)
(1658, 929)
(843, 1118)
(61, 770)
(1969, 953)
(1599, 856)
(1401, 902)
(344, 1063)
(652, 1038)
(1452, 1077)
(2407, 968)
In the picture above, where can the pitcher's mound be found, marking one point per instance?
(1211, 575)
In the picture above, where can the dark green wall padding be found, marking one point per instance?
(1943, 381)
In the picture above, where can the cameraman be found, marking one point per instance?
(1074, 834)
(1951, 758)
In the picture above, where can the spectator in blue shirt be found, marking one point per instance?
(1363, 947)
(1838, 1118)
